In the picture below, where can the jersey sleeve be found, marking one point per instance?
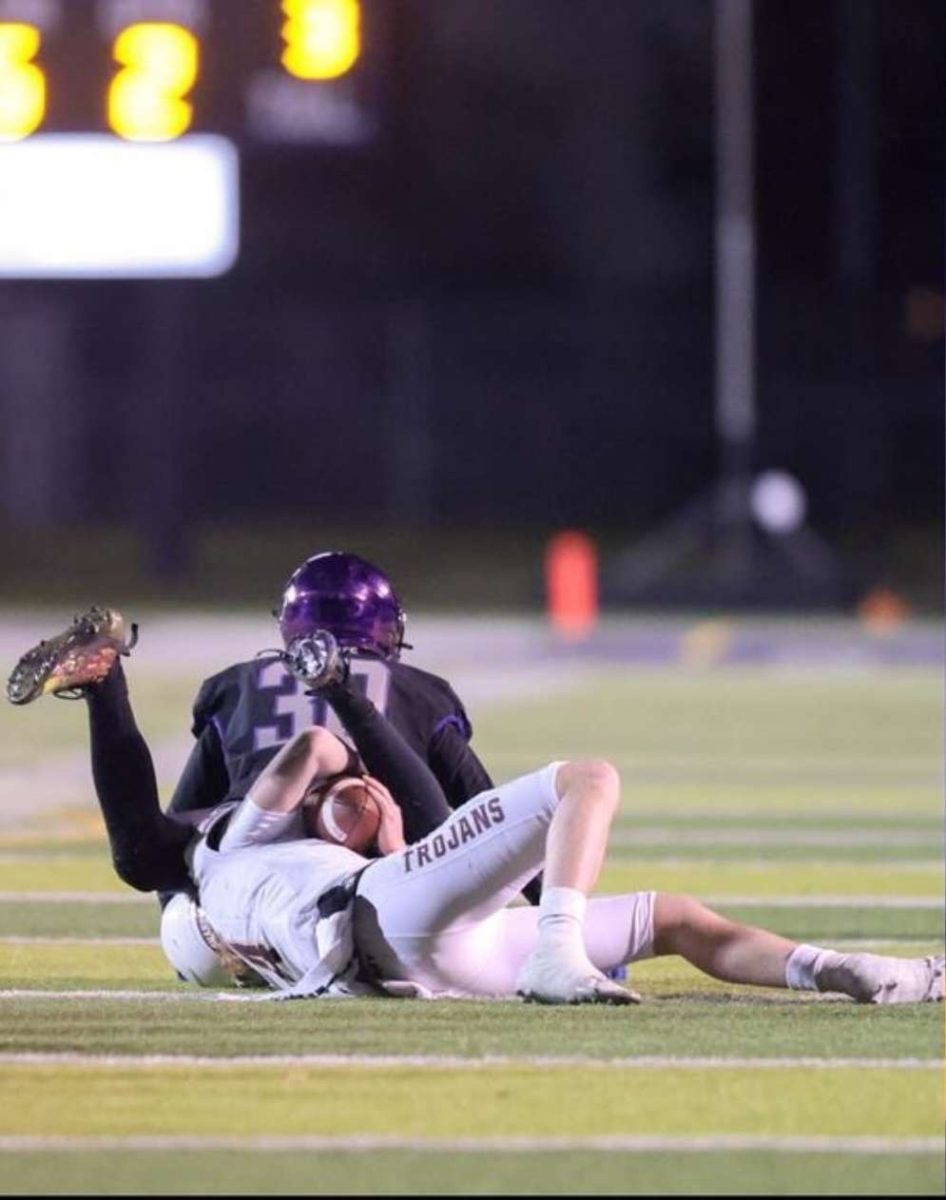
(456, 766)
(449, 753)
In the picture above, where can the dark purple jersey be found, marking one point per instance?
(244, 714)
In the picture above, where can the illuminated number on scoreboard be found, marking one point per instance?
(323, 37)
(146, 100)
(22, 83)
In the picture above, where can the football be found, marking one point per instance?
(344, 812)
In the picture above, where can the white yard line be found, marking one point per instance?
(118, 940)
(863, 943)
(909, 866)
(438, 1062)
(129, 897)
(628, 835)
(928, 856)
(263, 995)
(754, 836)
(887, 939)
(785, 817)
(107, 994)
(52, 858)
(780, 901)
(615, 1143)
(828, 901)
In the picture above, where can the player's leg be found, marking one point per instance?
(722, 948)
(624, 929)
(618, 930)
(423, 914)
(147, 847)
(558, 970)
(416, 908)
(468, 869)
(740, 953)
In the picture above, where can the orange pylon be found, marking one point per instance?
(571, 584)
(883, 610)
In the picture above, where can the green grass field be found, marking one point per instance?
(808, 801)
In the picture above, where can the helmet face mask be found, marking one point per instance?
(348, 596)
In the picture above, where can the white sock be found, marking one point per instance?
(251, 825)
(562, 918)
(802, 965)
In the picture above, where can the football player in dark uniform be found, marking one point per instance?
(244, 714)
(149, 847)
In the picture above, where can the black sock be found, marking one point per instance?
(147, 846)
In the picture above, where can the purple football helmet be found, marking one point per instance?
(350, 598)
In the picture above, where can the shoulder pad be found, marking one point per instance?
(443, 704)
(214, 690)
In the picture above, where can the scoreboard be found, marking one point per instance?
(156, 70)
(123, 122)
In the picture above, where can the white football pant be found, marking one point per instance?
(435, 913)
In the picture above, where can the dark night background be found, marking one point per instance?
(498, 314)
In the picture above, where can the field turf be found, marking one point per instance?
(806, 800)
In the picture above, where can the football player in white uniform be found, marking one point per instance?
(433, 917)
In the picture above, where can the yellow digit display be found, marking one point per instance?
(146, 99)
(323, 37)
(22, 83)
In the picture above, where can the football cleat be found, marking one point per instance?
(551, 979)
(83, 654)
(874, 979)
(317, 660)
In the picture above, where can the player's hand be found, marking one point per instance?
(391, 831)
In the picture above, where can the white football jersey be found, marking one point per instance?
(263, 902)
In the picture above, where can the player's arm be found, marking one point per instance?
(391, 831)
(268, 811)
(387, 756)
(453, 760)
(311, 756)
